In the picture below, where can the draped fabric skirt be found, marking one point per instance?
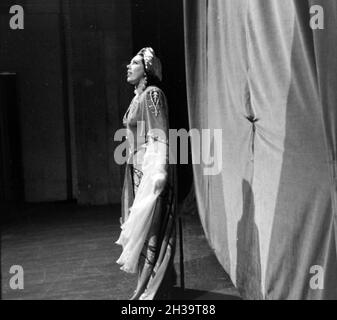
(156, 274)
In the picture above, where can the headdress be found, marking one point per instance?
(151, 62)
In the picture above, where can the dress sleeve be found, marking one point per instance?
(156, 131)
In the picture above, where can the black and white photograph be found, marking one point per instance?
(168, 150)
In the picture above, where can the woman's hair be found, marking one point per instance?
(153, 73)
(151, 79)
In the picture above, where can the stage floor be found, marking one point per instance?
(68, 252)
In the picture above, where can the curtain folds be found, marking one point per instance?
(257, 71)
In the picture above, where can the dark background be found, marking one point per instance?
(63, 94)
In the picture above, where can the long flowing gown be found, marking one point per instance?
(148, 219)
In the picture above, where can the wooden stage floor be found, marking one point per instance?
(68, 252)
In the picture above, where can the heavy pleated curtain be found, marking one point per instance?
(257, 71)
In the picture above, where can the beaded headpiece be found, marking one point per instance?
(151, 62)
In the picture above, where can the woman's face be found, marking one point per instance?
(135, 70)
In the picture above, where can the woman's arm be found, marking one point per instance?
(156, 123)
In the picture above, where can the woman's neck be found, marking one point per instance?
(140, 87)
(138, 90)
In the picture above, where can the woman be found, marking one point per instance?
(149, 195)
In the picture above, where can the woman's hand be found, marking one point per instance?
(159, 181)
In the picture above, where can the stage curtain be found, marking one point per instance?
(258, 71)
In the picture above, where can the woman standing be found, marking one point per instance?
(149, 192)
